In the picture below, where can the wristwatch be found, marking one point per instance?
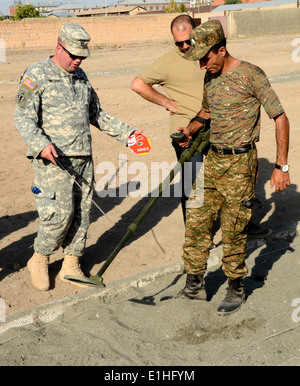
(283, 168)
(199, 119)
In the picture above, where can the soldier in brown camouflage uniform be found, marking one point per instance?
(55, 106)
(234, 91)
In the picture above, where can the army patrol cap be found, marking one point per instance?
(203, 38)
(76, 39)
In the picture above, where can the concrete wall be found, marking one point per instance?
(264, 22)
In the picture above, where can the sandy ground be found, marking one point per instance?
(160, 236)
(134, 323)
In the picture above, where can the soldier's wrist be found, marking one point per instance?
(199, 119)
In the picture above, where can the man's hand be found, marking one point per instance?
(171, 106)
(193, 127)
(280, 179)
(49, 153)
(189, 132)
(137, 132)
(186, 142)
(146, 91)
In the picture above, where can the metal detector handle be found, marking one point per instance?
(178, 137)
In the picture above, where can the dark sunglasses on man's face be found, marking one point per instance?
(73, 57)
(180, 44)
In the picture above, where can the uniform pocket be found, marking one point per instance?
(46, 204)
(243, 218)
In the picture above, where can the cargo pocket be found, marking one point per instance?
(243, 218)
(46, 204)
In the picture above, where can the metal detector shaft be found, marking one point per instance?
(63, 167)
(197, 146)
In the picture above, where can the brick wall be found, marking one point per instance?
(42, 33)
(31, 34)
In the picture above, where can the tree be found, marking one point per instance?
(172, 7)
(181, 8)
(228, 2)
(26, 11)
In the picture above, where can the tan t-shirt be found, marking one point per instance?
(182, 80)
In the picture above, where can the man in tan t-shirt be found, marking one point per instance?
(183, 83)
(181, 80)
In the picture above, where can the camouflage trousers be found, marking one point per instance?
(228, 181)
(64, 209)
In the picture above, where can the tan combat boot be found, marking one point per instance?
(38, 268)
(71, 267)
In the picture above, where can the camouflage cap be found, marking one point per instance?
(76, 39)
(203, 38)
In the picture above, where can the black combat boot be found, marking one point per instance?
(234, 299)
(194, 288)
(254, 231)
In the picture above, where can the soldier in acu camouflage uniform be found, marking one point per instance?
(234, 91)
(55, 106)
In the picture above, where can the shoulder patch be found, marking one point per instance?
(26, 89)
(29, 83)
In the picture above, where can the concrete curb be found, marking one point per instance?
(48, 312)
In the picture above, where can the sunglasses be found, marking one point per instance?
(73, 57)
(180, 44)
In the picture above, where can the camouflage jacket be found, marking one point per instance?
(234, 100)
(54, 106)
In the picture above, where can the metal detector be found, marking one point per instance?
(197, 146)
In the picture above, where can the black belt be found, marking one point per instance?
(234, 150)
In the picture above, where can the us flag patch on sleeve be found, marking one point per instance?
(29, 83)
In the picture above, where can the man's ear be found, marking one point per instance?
(222, 51)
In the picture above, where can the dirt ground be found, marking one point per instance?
(160, 237)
